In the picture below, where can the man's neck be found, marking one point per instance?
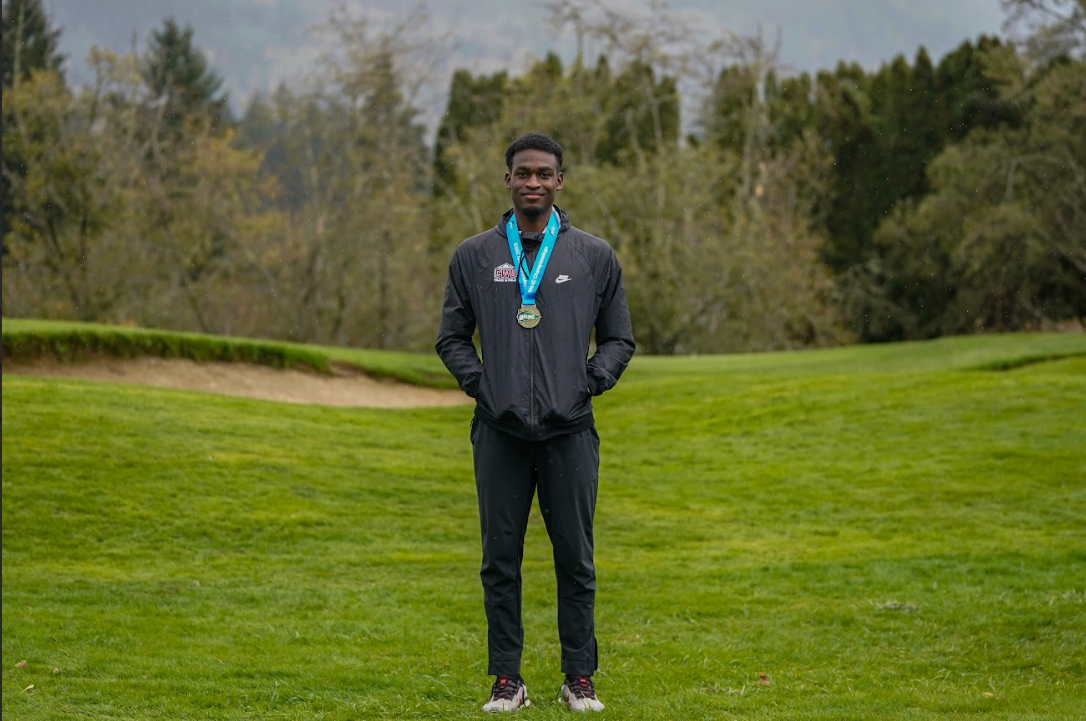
(533, 225)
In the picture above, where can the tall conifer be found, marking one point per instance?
(29, 40)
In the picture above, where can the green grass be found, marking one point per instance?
(890, 532)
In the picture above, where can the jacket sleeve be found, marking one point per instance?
(614, 332)
(454, 337)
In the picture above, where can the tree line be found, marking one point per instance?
(752, 208)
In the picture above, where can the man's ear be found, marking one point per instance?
(508, 180)
(558, 180)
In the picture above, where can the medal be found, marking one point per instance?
(528, 316)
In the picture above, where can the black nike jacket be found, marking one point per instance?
(535, 383)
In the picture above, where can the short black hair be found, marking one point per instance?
(533, 141)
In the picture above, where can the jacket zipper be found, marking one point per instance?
(533, 424)
(531, 382)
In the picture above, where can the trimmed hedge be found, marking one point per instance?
(1010, 364)
(69, 341)
(80, 342)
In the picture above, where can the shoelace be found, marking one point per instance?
(505, 688)
(581, 686)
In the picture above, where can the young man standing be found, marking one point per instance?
(535, 287)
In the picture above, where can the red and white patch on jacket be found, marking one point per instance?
(505, 273)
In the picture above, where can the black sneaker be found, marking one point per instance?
(579, 694)
(508, 694)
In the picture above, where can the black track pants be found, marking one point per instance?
(565, 470)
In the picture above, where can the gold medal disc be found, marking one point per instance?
(528, 316)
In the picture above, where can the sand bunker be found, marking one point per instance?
(244, 379)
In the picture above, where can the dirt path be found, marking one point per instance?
(244, 379)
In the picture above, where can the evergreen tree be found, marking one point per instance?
(791, 106)
(179, 76)
(264, 127)
(473, 102)
(885, 128)
(734, 94)
(29, 42)
(846, 124)
(643, 113)
(967, 96)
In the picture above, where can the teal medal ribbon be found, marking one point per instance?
(528, 315)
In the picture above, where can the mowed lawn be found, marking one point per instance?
(890, 532)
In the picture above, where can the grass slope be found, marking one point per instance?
(25, 340)
(890, 532)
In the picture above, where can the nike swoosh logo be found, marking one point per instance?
(562, 279)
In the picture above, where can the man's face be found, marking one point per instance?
(533, 182)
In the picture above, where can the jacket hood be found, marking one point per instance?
(563, 221)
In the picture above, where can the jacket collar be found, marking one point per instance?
(563, 221)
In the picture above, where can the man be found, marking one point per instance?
(535, 287)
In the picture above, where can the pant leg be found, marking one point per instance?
(504, 481)
(568, 477)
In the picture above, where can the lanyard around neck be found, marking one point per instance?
(529, 283)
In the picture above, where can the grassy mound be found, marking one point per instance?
(25, 340)
(889, 532)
